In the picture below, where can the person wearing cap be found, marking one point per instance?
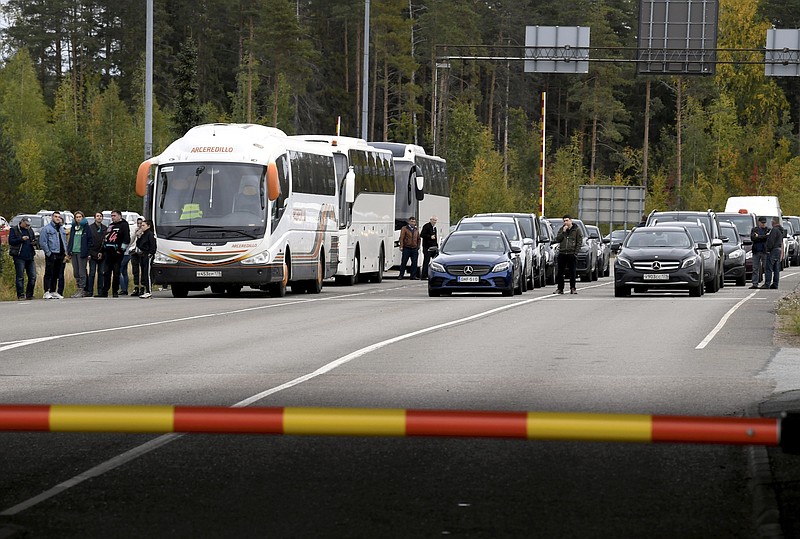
(758, 235)
(21, 247)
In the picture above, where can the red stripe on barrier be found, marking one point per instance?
(480, 424)
(24, 417)
(230, 420)
(716, 430)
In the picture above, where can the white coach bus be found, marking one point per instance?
(239, 205)
(366, 225)
(421, 190)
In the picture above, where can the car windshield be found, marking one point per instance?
(619, 234)
(472, 243)
(221, 196)
(508, 227)
(744, 222)
(703, 217)
(646, 237)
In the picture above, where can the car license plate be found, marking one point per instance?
(656, 276)
(209, 274)
(469, 279)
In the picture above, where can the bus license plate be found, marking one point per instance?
(656, 276)
(209, 274)
(469, 279)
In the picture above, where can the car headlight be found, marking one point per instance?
(260, 258)
(502, 266)
(735, 255)
(691, 261)
(624, 262)
(435, 266)
(748, 255)
(161, 258)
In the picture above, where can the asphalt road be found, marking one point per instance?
(385, 346)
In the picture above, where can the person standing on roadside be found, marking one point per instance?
(53, 240)
(80, 244)
(22, 250)
(570, 239)
(146, 243)
(409, 247)
(97, 230)
(429, 241)
(758, 235)
(133, 249)
(116, 240)
(774, 245)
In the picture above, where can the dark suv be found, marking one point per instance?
(711, 222)
(744, 223)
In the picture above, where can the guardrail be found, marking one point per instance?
(783, 431)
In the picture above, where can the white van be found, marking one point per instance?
(767, 206)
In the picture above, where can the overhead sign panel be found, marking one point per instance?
(611, 204)
(677, 37)
(782, 54)
(557, 49)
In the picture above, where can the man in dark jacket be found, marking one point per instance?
(116, 240)
(758, 235)
(429, 241)
(774, 246)
(98, 232)
(20, 242)
(409, 247)
(570, 239)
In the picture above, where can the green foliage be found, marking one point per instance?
(564, 179)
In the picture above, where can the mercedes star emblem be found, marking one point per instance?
(656, 265)
(468, 270)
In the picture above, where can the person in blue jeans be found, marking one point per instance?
(21, 246)
(774, 243)
(758, 235)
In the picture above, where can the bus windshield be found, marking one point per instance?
(210, 201)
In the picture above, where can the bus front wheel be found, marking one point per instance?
(180, 291)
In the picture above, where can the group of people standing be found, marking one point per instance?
(767, 252)
(94, 250)
(410, 239)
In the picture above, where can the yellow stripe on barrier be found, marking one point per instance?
(589, 427)
(344, 422)
(111, 418)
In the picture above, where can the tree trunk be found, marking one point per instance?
(385, 96)
(359, 74)
(489, 113)
(250, 79)
(374, 94)
(646, 145)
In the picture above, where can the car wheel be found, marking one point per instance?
(433, 293)
(622, 291)
(517, 290)
(523, 283)
(696, 291)
(741, 281)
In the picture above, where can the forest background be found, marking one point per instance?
(72, 97)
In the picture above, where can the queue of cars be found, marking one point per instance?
(472, 259)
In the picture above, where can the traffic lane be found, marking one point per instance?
(247, 486)
(249, 349)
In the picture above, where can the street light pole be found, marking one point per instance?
(365, 75)
(148, 85)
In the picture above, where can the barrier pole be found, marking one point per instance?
(783, 431)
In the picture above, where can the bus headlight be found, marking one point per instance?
(260, 258)
(161, 258)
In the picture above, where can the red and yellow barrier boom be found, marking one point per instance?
(399, 422)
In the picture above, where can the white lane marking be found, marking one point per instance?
(722, 322)
(162, 440)
(26, 342)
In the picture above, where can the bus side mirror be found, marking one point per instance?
(273, 185)
(350, 186)
(419, 187)
(141, 177)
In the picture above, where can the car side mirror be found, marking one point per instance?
(515, 249)
(716, 242)
(725, 239)
(527, 241)
(606, 240)
(702, 246)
